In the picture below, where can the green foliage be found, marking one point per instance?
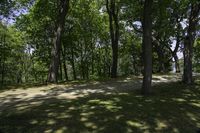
(86, 46)
(11, 55)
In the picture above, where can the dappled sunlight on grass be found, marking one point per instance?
(172, 107)
(138, 125)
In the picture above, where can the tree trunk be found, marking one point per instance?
(73, 63)
(63, 6)
(64, 64)
(61, 74)
(92, 62)
(65, 70)
(2, 72)
(113, 12)
(82, 63)
(177, 66)
(3, 62)
(147, 47)
(188, 44)
(174, 53)
(161, 57)
(187, 73)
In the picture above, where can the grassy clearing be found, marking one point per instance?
(172, 108)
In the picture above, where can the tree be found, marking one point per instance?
(189, 41)
(147, 46)
(113, 11)
(63, 6)
(11, 55)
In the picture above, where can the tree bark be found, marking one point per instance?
(113, 12)
(188, 44)
(63, 6)
(65, 70)
(3, 62)
(177, 66)
(174, 53)
(2, 72)
(61, 74)
(147, 47)
(73, 63)
(161, 56)
(64, 64)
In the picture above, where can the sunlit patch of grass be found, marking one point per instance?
(140, 125)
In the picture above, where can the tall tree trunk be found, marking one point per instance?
(65, 70)
(73, 63)
(3, 62)
(61, 74)
(187, 73)
(113, 12)
(147, 47)
(188, 44)
(92, 62)
(82, 67)
(2, 72)
(63, 6)
(64, 64)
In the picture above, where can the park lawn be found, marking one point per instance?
(172, 108)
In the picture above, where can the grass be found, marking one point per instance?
(172, 108)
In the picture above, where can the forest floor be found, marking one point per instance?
(113, 106)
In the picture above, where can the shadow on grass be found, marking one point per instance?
(21, 86)
(172, 107)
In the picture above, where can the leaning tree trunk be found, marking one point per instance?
(175, 56)
(147, 47)
(177, 66)
(113, 12)
(188, 44)
(63, 6)
(174, 53)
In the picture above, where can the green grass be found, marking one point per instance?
(172, 108)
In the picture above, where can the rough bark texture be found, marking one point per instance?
(147, 47)
(63, 6)
(188, 44)
(114, 33)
